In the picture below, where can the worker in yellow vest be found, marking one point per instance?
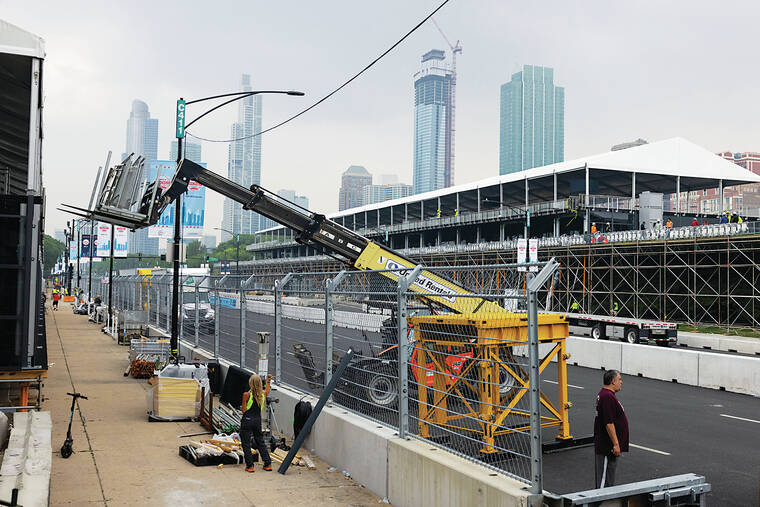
(250, 424)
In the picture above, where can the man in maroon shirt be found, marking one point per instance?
(610, 430)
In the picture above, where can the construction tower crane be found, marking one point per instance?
(451, 110)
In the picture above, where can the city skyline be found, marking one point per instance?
(642, 72)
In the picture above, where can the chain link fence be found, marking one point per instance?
(460, 381)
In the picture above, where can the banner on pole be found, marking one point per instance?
(120, 241)
(86, 243)
(103, 248)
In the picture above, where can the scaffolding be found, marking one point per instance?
(697, 281)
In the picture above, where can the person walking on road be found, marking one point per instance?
(610, 430)
(250, 424)
(56, 298)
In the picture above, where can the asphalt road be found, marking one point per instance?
(678, 428)
(683, 428)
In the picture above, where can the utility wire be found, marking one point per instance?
(410, 32)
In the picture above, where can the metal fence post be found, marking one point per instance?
(217, 318)
(180, 309)
(534, 283)
(536, 473)
(168, 308)
(242, 325)
(279, 285)
(158, 302)
(197, 313)
(404, 282)
(147, 295)
(330, 286)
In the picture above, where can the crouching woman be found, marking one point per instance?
(250, 423)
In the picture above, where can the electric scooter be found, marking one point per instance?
(68, 446)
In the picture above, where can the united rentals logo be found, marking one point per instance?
(422, 282)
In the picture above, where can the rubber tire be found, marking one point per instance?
(632, 335)
(66, 449)
(597, 333)
(378, 380)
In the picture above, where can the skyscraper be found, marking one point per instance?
(192, 151)
(244, 163)
(354, 179)
(142, 139)
(433, 124)
(532, 127)
(290, 195)
(372, 194)
(142, 132)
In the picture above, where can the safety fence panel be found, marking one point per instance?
(259, 305)
(300, 318)
(362, 316)
(449, 367)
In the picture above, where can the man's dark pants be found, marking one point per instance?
(605, 466)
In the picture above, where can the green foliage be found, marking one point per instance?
(196, 254)
(53, 249)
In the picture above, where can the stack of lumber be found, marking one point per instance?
(302, 461)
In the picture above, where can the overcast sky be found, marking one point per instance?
(651, 69)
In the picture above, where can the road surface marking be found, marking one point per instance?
(650, 450)
(568, 385)
(740, 418)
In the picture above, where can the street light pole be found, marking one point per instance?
(180, 135)
(174, 345)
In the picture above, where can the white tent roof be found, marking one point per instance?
(17, 41)
(671, 157)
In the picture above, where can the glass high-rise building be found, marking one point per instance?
(244, 163)
(433, 124)
(142, 132)
(532, 126)
(192, 151)
(372, 194)
(142, 139)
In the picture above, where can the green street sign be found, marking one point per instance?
(190, 281)
(180, 119)
(213, 259)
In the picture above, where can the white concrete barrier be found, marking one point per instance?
(732, 373)
(735, 373)
(421, 474)
(595, 353)
(28, 460)
(740, 344)
(660, 363)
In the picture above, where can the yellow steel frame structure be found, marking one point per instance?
(492, 338)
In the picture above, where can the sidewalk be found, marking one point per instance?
(122, 459)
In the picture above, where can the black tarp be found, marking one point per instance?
(15, 90)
